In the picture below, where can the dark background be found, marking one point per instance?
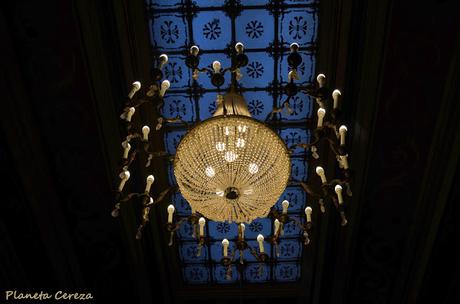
(398, 61)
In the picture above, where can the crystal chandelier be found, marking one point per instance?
(232, 167)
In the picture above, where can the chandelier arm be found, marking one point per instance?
(310, 191)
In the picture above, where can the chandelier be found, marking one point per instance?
(232, 167)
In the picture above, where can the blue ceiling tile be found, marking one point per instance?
(293, 136)
(207, 105)
(259, 71)
(298, 25)
(299, 169)
(222, 230)
(257, 273)
(248, 256)
(188, 252)
(285, 272)
(291, 228)
(211, 30)
(171, 176)
(181, 205)
(258, 226)
(217, 252)
(289, 250)
(255, 28)
(177, 72)
(260, 104)
(296, 198)
(168, 32)
(300, 104)
(173, 139)
(179, 105)
(299, 1)
(185, 231)
(196, 274)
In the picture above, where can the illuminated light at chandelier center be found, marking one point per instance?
(232, 168)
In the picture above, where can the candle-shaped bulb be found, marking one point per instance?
(201, 223)
(285, 205)
(308, 212)
(320, 172)
(171, 210)
(342, 131)
(216, 66)
(239, 47)
(294, 47)
(163, 59)
(124, 177)
(194, 50)
(164, 86)
(336, 96)
(321, 112)
(136, 87)
(149, 182)
(291, 75)
(242, 228)
(225, 244)
(260, 240)
(338, 190)
(130, 114)
(344, 160)
(145, 133)
(277, 226)
(321, 78)
(126, 147)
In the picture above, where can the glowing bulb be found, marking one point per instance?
(164, 86)
(149, 182)
(243, 227)
(225, 244)
(335, 96)
(163, 60)
(216, 66)
(239, 47)
(145, 133)
(136, 87)
(130, 114)
(338, 191)
(210, 171)
(253, 168)
(240, 143)
(228, 131)
(285, 205)
(321, 112)
(220, 146)
(124, 177)
(230, 156)
(170, 213)
(321, 78)
(194, 50)
(342, 131)
(260, 240)
(308, 212)
(201, 223)
(320, 172)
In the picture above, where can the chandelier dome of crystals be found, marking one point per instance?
(232, 168)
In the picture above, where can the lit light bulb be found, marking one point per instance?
(321, 78)
(124, 177)
(201, 223)
(225, 244)
(342, 131)
(321, 113)
(239, 47)
(149, 182)
(308, 212)
(338, 191)
(163, 60)
(194, 50)
(240, 143)
(243, 227)
(320, 172)
(260, 240)
(136, 87)
(285, 205)
(126, 147)
(230, 156)
(164, 86)
(335, 96)
(294, 47)
(253, 168)
(171, 210)
(220, 146)
(130, 114)
(228, 131)
(145, 133)
(277, 226)
(210, 171)
(216, 66)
